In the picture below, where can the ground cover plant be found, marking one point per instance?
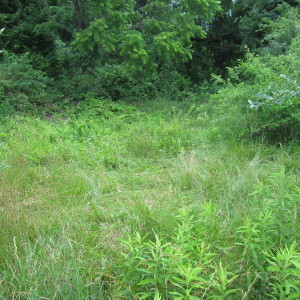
(134, 203)
(149, 149)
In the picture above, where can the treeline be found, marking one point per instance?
(59, 52)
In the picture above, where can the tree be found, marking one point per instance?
(251, 15)
(219, 49)
(143, 33)
(239, 25)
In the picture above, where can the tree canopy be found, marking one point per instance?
(76, 42)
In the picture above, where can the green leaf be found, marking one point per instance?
(146, 281)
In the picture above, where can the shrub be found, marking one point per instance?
(282, 31)
(262, 98)
(101, 107)
(115, 82)
(22, 87)
(278, 109)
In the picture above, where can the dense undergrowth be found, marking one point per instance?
(120, 201)
(118, 183)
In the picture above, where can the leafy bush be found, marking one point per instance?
(119, 82)
(22, 87)
(115, 82)
(263, 94)
(282, 31)
(278, 108)
(101, 107)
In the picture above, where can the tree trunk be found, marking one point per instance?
(78, 14)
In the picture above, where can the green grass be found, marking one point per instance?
(129, 203)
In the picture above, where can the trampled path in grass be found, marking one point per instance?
(119, 202)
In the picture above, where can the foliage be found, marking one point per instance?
(133, 50)
(185, 265)
(21, 86)
(111, 49)
(114, 82)
(263, 92)
(252, 16)
(93, 107)
(278, 106)
(221, 47)
(282, 31)
(285, 268)
(148, 188)
(149, 34)
(141, 188)
(177, 268)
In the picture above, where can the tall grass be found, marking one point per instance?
(138, 203)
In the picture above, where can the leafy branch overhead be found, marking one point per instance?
(147, 32)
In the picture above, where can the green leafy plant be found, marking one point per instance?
(285, 273)
(22, 87)
(177, 266)
(222, 282)
(278, 109)
(263, 90)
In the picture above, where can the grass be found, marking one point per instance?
(145, 203)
